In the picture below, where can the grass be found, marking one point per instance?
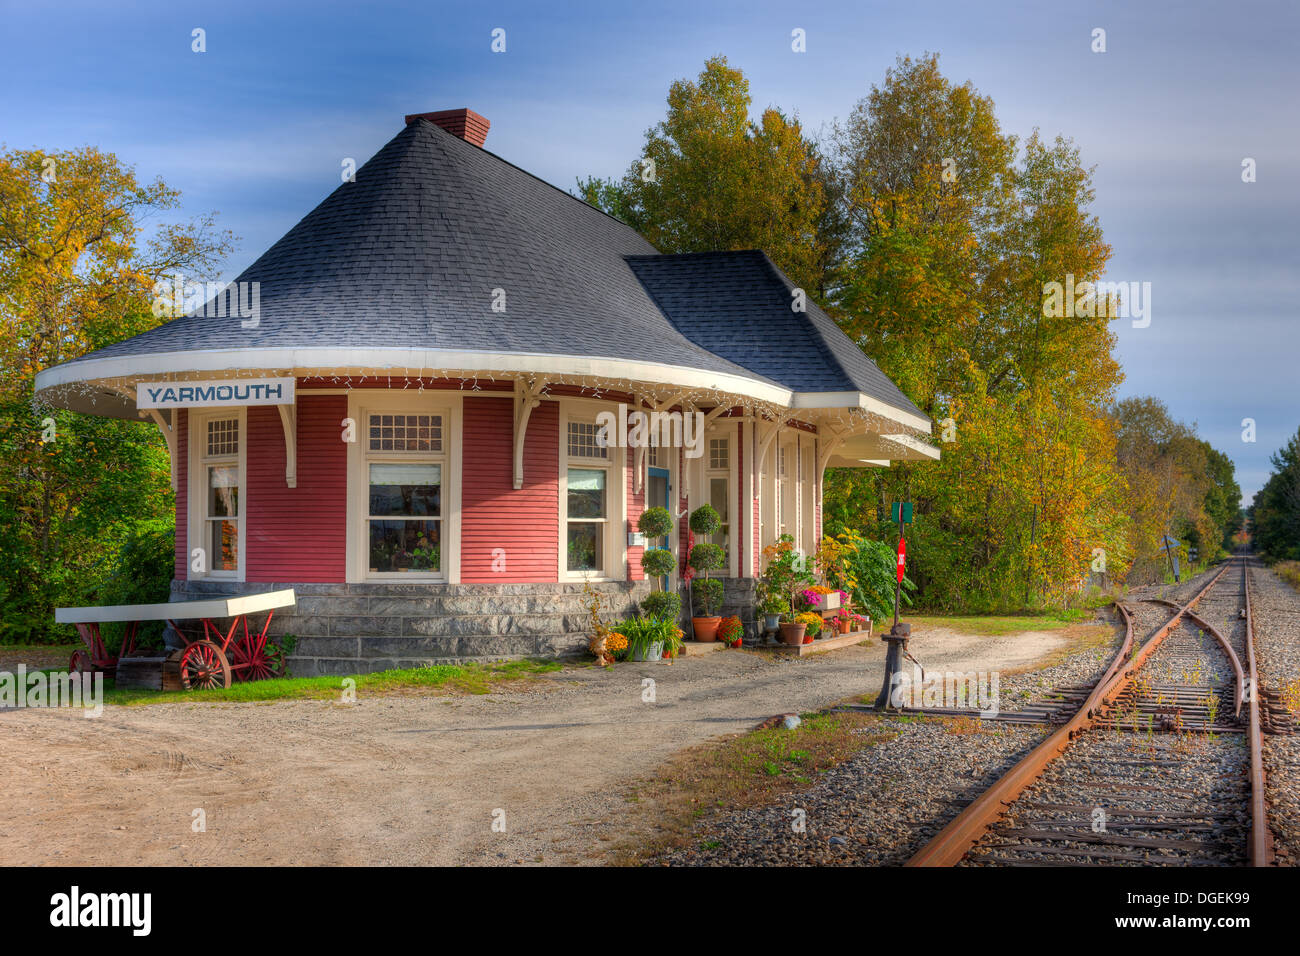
(996, 625)
(745, 770)
(449, 679)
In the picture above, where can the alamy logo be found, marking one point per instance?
(1105, 300)
(75, 908)
(951, 691)
(176, 296)
(638, 429)
(50, 689)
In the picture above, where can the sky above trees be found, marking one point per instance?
(257, 127)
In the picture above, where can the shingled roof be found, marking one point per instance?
(407, 256)
(739, 306)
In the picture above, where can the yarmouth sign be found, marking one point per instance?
(263, 391)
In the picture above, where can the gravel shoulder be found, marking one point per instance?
(408, 780)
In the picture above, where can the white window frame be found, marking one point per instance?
(808, 492)
(703, 472)
(197, 491)
(362, 403)
(614, 541)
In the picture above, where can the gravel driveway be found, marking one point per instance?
(407, 780)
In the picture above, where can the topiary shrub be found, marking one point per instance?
(705, 520)
(658, 562)
(706, 556)
(655, 523)
(707, 594)
(663, 605)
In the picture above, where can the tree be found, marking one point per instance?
(75, 275)
(710, 179)
(1275, 515)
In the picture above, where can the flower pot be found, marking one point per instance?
(652, 653)
(706, 628)
(808, 638)
(843, 626)
(831, 602)
(792, 633)
(771, 622)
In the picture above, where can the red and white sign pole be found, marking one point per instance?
(896, 639)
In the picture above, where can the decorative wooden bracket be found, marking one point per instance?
(289, 420)
(168, 430)
(527, 397)
(835, 438)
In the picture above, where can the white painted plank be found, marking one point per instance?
(179, 610)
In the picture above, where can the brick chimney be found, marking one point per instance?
(464, 123)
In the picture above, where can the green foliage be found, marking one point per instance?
(1275, 515)
(666, 605)
(705, 520)
(643, 633)
(657, 562)
(655, 522)
(706, 556)
(707, 594)
(785, 573)
(868, 573)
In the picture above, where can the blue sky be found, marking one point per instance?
(256, 127)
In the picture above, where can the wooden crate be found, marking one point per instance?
(150, 673)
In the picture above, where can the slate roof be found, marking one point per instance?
(407, 257)
(738, 305)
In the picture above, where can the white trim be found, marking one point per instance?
(615, 565)
(347, 361)
(445, 402)
(197, 492)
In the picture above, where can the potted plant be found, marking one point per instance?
(647, 637)
(731, 631)
(704, 557)
(792, 630)
(771, 605)
(812, 623)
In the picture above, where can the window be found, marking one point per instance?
(406, 433)
(583, 441)
(718, 486)
(593, 486)
(404, 494)
(216, 490)
(786, 513)
(588, 513)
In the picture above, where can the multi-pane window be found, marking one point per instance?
(583, 441)
(785, 491)
(718, 482)
(406, 433)
(404, 512)
(587, 511)
(221, 505)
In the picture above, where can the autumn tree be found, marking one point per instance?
(710, 179)
(77, 269)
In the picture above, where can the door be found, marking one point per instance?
(658, 488)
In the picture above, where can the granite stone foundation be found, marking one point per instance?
(359, 628)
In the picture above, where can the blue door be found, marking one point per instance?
(657, 491)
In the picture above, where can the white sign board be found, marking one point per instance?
(226, 391)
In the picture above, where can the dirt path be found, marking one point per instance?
(405, 780)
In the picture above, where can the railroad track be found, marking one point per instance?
(1161, 764)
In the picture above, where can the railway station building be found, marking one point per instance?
(427, 409)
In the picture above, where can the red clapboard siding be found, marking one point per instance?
(741, 486)
(181, 426)
(523, 523)
(298, 534)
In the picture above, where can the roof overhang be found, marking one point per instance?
(96, 386)
(880, 450)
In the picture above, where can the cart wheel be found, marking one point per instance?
(203, 666)
(80, 663)
(254, 664)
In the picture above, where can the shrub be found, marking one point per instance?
(143, 575)
(664, 605)
(705, 520)
(731, 630)
(655, 522)
(706, 556)
(707, 594)
(658, 562)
